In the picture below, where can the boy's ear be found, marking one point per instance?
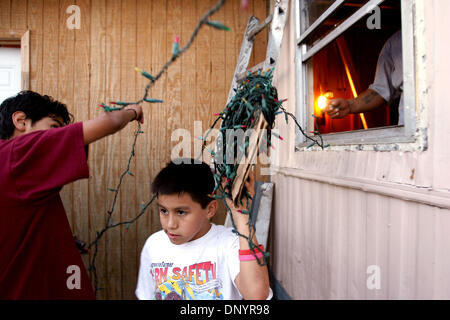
(19, 120)
(212, 209)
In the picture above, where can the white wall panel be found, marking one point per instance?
(327, 236)
(339, 211)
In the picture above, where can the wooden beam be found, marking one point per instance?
(25, 60)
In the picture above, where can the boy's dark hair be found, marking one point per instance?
(193, 178)
(35, 106)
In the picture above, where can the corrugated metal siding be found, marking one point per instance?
(338, 211)
(327, 236)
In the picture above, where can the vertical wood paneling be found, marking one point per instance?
(231, 50)
(81, 110)
(50, 65)
(203, 109)
(19, 16)
(65, 61)
(114, 147)
(128, 196)
(174, 75)
(219, 86)
(35, 24)
(97, 151)
(81, 224)
(189, 59)
(260, 45)
(95, 64)
(161, 50)
(143, 170)
(5, 15)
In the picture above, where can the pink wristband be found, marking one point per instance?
(250, 257)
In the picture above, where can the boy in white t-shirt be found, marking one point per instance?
(192, 258)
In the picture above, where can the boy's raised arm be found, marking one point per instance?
(110, 122)
(253, 279)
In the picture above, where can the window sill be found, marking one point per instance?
(377, 139)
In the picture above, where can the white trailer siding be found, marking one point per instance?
(338, 212)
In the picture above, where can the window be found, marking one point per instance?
(14, 65)
(10, 71)
(338, 47)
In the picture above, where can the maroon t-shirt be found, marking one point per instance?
(38, 256)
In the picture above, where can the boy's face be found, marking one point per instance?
(183, 219)
(43, 124)
(24, 125)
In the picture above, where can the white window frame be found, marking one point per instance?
(382, 135)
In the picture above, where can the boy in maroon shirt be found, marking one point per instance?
(41, 150)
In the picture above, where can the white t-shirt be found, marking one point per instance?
(389, 76)
(202, 269)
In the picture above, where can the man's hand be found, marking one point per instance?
(338, 108)
(366, 101)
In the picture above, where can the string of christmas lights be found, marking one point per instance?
(254, 97)
(119, 105)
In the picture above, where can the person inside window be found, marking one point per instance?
(387, 86)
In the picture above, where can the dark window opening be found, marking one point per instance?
(351, 58)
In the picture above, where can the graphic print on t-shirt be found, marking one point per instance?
(194, 282)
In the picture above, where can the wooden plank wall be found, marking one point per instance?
(339, 212)
(93, 64)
